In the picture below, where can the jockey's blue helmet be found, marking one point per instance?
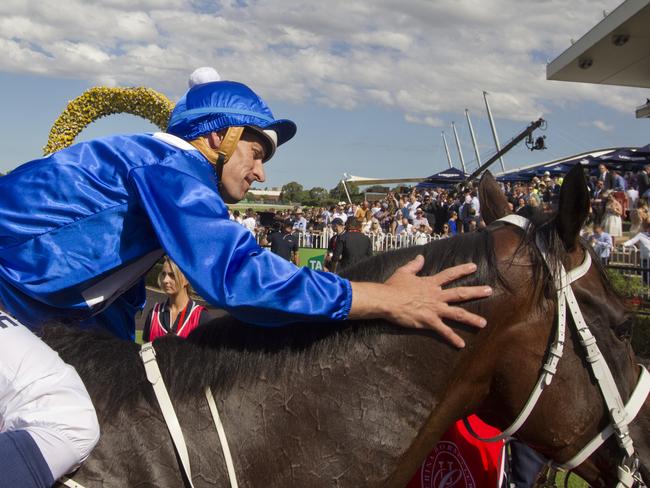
(217, 105)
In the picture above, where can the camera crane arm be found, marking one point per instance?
(523, 134)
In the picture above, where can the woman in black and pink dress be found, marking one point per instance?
(177, 315)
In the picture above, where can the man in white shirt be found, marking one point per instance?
(300, 222)
(602, 243)
(420, 220)
(250, 222)
(339, 213)
(642, 240)
(412, 205)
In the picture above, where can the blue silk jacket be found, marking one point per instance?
(81, 227)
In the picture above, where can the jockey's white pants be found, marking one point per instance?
(44, 396)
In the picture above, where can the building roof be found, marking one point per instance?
(614, 52)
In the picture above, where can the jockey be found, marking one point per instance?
(80, 228)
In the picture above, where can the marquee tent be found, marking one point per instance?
(443, 178)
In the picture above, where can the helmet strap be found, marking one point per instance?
(223, 153)
(228, 144)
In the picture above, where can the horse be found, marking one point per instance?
(352, 404)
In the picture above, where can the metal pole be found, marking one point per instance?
(345, 187)
(471, 131)
(460, 153)
(494, 129)
(444, 139)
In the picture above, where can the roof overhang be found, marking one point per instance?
(643, 111)
(614, 52)
(360, 180)
(594, 154)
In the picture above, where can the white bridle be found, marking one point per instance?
(621, 414)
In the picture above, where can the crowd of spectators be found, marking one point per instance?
(417, 215)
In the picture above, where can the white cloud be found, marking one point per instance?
(421, 57)
(598, 124)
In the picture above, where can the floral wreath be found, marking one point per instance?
(101, 101)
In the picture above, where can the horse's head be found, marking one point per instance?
(572, 410)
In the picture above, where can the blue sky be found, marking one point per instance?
(371, 84)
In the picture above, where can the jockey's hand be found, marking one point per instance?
(419, 301)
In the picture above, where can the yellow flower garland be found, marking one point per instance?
(101, 101)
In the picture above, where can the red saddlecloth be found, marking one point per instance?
(461, 461)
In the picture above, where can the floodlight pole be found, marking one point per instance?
(494, 129)
(444, 140)
(471, 131)
(460, 152)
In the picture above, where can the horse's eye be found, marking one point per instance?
(624, 330)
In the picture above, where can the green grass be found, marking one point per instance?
(574, 481)
(261, 207)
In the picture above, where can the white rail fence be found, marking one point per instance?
(380, 242)
(626, 260)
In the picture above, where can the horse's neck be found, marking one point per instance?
(371, 399)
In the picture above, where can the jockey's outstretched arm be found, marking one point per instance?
(48, 425)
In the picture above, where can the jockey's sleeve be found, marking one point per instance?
(222, 260)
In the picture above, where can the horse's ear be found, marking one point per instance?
(494, 203)
(574, 207)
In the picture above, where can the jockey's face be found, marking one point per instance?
(243, 168)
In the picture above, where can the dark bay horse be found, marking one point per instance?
(361, 404)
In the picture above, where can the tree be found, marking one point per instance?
(338, 192)
(316, 197)
(292, 192)
(377, 189)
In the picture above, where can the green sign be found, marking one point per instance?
(313, 258)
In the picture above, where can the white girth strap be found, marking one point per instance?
(222, 437)
(148, 355)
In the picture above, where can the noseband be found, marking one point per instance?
(620, 414)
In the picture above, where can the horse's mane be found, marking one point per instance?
(226, 351)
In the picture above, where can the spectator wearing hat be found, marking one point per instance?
(339, 213)
(283, 242)
(351, 246)
(421, 220)
(300, 222)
